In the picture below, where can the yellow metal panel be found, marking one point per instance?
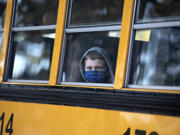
(17, 83)
(129, 89)
(35, 84)
(58, 42)
(152, 90)
(124, 44)
(41, 119)
(4, 48)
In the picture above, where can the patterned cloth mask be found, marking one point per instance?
(95, 76)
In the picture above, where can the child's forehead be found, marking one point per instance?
(97, 61)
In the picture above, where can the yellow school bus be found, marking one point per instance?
(45, 88)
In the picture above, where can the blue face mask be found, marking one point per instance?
(95, 76)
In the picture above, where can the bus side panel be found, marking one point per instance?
(17, 118)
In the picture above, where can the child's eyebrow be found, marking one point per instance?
(89, 67)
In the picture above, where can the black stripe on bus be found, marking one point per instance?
(131, 101)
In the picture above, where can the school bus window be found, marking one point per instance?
(158, 10)
(91, 57)
(32, 52)
(95, 11)
(31, 42)
(91, 42)
(2, 12)
(36, 12)
(156, 57)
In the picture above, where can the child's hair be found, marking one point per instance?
(93, 55)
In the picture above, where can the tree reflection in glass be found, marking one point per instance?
(158, 10)
(1, 37)
(95, 11)
(2, 12)
(157, 61)
(32, 55)
(36, 12)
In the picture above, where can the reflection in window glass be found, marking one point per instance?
(36, 12)
(1, 37)
(156, 57)
(32, 52)
(2, 12)
(95, 11)
(156, 10)
(102, 45)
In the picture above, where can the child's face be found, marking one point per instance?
(95, 65)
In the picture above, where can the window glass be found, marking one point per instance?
(158, 10)
(94, 51)
(95, 11)
(2, 12)
(1, 37)
(156, 57)
(31, 55)
(36, 12)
